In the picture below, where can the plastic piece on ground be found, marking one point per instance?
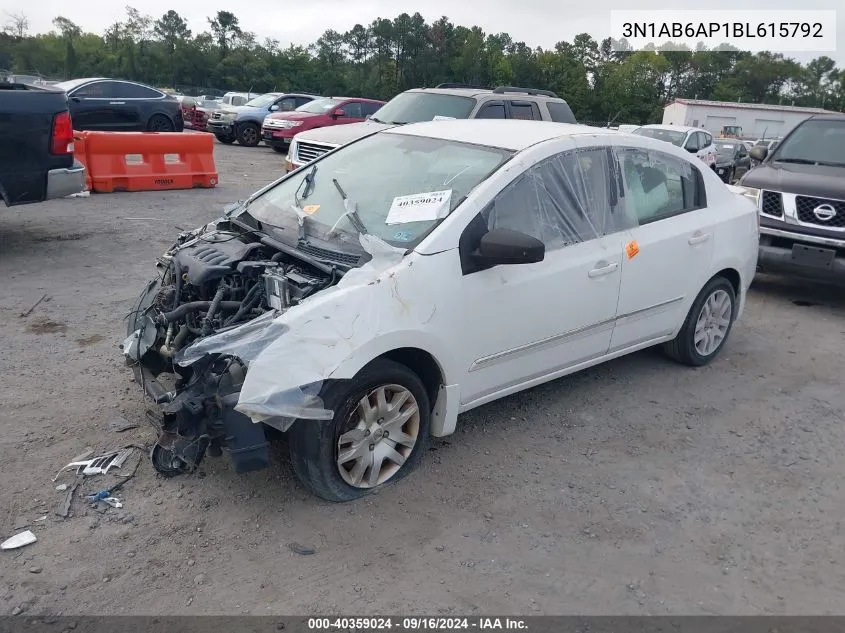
(99, 465)
(19, 540)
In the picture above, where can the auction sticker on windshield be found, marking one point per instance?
(419, 207)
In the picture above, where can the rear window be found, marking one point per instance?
(560, 112)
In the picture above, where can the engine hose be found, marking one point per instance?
(195, 306)
(177, 271)
(249, 301)
(215, 304)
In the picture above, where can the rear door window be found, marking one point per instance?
(126, 90)
(526, 110)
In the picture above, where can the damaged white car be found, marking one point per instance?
(361, 303)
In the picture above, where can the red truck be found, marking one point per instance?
(280, 127)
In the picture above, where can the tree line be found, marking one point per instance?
(387, 56)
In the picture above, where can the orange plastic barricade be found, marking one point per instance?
(80, 153)
(150, 161)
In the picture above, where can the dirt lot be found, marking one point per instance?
(637, 487)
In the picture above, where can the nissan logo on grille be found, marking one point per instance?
(824, 212)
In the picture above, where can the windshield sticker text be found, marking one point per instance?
(419, 207)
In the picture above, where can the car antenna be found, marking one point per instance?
(613, 120)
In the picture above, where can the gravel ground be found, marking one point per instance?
(638, 487)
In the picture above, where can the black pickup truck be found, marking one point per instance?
(36, 146)
(800, 192)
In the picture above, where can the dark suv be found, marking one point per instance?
(446, 101)
(800, 192)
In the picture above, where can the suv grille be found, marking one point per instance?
(772, 204)
(327, 255)
(306, 152)
(806, 208)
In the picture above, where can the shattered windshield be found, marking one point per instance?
(670, 136)
(395, 186)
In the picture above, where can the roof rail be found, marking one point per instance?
(529, 91)
(451, 85)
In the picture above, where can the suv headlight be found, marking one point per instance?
(749, 192)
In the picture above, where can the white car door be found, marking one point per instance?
(523, 322)
(707, 150)
(669, 255)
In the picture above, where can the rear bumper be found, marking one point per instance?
(66, 181)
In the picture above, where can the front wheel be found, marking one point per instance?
(249, 135)
(228, 140)
(707, 325)
(380, 429)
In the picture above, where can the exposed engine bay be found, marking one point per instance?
(212, 280)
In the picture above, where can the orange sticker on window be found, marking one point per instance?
(311, 209)
(632, 248)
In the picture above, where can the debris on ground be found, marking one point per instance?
(99, 465)
(33, 306)
(19, 540)
(63, 509)
(302, 550)
(120, 425)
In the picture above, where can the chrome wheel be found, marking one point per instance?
(382, 432)
(713, 323)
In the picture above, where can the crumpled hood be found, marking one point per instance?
(342, 134)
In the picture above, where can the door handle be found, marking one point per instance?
(603, 270)
(117, 103)
(698, 238)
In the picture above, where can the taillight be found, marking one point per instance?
(61, 142)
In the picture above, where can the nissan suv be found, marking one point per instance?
(446, 101)
(799, 188)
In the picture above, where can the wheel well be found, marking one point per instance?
(421, 363)
(732, 276)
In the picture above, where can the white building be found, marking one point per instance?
(756, 120)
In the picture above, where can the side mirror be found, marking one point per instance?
(338, 113)
(503, 246)
(691, 150)
(274, 108)
(759, 153)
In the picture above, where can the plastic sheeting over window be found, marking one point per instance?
(566, 199)
(656, 185)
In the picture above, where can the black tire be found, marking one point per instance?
(249, 135)
(682, 348)
(228, 140)
(314, 444)
(160, 123)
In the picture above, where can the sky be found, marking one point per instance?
(536, 22)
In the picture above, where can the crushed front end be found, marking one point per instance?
(213, 280)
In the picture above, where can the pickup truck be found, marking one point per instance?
(36, 150)
(799, 188)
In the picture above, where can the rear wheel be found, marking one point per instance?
(249, 135)
(379, 432)
(160, 123)
(707, 325)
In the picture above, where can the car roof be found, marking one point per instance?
(353, 99)
(512, 134)
(678, 128)
(474, 92)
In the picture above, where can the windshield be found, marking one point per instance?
(264, 101)
(319, 106)
(670, 136)
(67, 86)
(387, 177)
(413, 107)
(814, 141)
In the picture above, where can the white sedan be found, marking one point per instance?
(365, 301)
